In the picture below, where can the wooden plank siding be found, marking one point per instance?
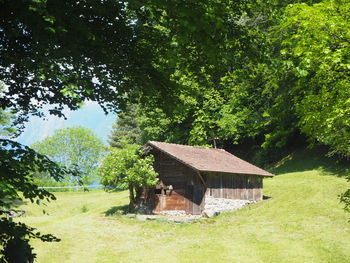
(188, 190)
(170, 171)
(198, 196)
(174, 201)
(234, 186)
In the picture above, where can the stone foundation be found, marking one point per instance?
(214, 206)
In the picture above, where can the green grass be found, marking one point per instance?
(303, 221)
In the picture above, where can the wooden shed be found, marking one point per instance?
(187, 175)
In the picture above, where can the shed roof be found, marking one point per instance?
(208, 159)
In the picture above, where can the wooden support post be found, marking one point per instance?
(201, 178)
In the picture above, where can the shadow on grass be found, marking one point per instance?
(313, 159)
(117, 210)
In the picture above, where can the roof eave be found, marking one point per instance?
(211, 171)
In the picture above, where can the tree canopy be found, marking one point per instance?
(65, 52)
(291, 80)
(74, 147)
(315, 42)
(110, 51)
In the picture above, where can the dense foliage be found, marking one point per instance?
(17, 166)
(204, 71)
(292, 79)
(65, 52)
(316, 44)
(231, 70)
(128, 168)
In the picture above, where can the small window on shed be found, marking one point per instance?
(158, 191)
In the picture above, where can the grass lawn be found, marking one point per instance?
(301, 222)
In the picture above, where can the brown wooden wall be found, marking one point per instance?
(188, 191)
(170, 171)
(195, 194)
(234, 186)
(174, 201)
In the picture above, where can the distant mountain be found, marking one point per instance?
(90, 116)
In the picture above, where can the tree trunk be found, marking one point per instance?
(138, 195)
(132, 198)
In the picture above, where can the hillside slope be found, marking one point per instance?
(302, 221)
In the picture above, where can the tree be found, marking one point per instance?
(126, 127)
(315, 43)
(17, 166)
(74, 147)
(128, 168)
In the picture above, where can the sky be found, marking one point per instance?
(90, 116)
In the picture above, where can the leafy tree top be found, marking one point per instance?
(73, 147)
(126, 127)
